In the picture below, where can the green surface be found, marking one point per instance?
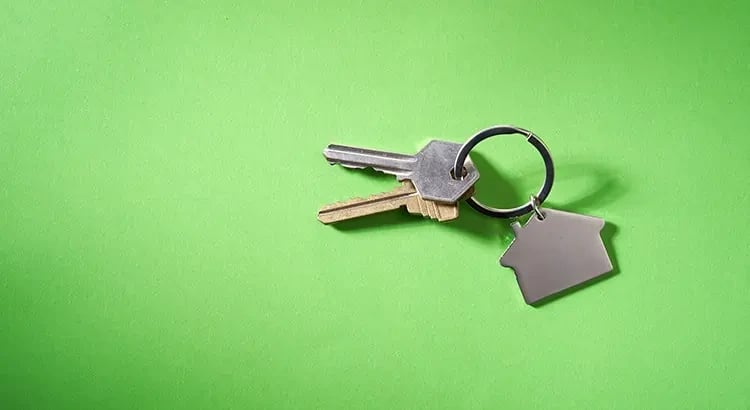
(160, 171)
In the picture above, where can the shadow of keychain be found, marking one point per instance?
(554, 250)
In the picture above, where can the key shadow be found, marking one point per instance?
(608, 234)
(385, 220)
(607, 188)
(483, 227)
(604, 187)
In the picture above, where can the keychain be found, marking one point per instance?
(554, 250)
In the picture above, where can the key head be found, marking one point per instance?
(432, 173)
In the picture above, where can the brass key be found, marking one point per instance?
(404, 195)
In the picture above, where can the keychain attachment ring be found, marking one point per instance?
(536, 200)
(535, 206)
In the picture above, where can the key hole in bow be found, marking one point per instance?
(464, 172)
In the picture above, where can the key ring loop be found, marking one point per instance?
(533, 140)
(535, 207)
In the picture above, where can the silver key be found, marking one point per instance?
(429, 169)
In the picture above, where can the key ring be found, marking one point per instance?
(535, 206)
(537, 199)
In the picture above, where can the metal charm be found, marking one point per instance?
(555, 250)
(555, 253)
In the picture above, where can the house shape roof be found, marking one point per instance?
(555, 253)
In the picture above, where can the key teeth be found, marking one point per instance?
(424, 208)
(430, 209)
(404, 195)
(349, 165)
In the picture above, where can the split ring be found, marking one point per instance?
(533, 140)
(535, 206)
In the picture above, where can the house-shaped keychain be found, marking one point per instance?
(555, 253)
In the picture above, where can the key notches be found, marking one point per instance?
(427, 185)
(536, 200)
(429, 169)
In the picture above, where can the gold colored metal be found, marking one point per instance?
(404, 195)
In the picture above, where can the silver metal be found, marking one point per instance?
(535, 206)
(429, 169)
(549, 177)
(561, 251)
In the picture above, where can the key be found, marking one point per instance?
(404, 195)
(429, 169)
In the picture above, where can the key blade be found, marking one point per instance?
(404, 195)
(353, 157)
(356, 207)
(429, 169)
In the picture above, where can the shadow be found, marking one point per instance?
(607, 186)
(608, 234)
(395, 219)
(366, 172)
(496, 189)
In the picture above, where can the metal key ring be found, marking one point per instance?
(531, 138)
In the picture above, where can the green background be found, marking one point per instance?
(161, 168)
